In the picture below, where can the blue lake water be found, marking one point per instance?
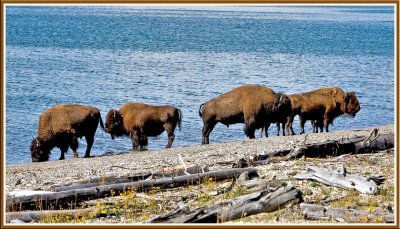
(184, 55)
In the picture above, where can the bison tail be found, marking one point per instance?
(200, 114)
(101, 122)
(180, 119)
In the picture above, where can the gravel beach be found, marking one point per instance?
(38, 176)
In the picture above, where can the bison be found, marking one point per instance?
(255, 106)
(61, 126)
(321, 106)
(139, 120)
(281, 121)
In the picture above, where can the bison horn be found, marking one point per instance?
(115, 113)
(37, 142)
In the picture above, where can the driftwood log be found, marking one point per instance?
(257, 202)
(367, 185)
(71, 198)
(314, 212)
(87, 183)
(355, 145)
(36, 216)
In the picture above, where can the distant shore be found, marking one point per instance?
(39, 176)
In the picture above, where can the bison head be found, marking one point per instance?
(282, 107)
(282, 103)
(114, 124)
(39, 151)
(143, 141)
(352, 104)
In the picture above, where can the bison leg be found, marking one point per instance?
(63, 149)
(169, 128)
(320, 124)
(207, 128)
(89, 140)
(261, 131)
(326, 124)
(74, 146)
(266, 127)
(289, 126)
(283, 129)
(278, 128)
(314, 126)
(171, 137)
(135, 140)
(302, 122)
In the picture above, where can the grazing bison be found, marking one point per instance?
(61, 126)
(322, 106)
(255, 106)
(139, 120)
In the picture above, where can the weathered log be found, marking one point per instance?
(36, 216)
(71, 198)
(87, 183)
(367, 185)
(314, 212)
(355, 145)
(250, 204)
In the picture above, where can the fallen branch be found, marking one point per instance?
(367, 185)
(70, 198)
(314, 212)
(36, 216)
(87, 183)
(250, 204)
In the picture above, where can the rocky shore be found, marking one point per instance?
(41, 176)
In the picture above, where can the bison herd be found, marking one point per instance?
(255, 106)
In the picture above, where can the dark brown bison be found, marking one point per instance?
(281, 121)
(61, 126)
(322, 106)
(255, 106)
(139, 120)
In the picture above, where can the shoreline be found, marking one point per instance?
(36, 178)
(39, 176)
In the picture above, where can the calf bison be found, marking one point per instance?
(255, 106)
(139, 120)
(61, 126)
(322, 106)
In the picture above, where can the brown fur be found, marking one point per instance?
(321, 106)
(60, 126)
(255, 106)
(139, 120)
